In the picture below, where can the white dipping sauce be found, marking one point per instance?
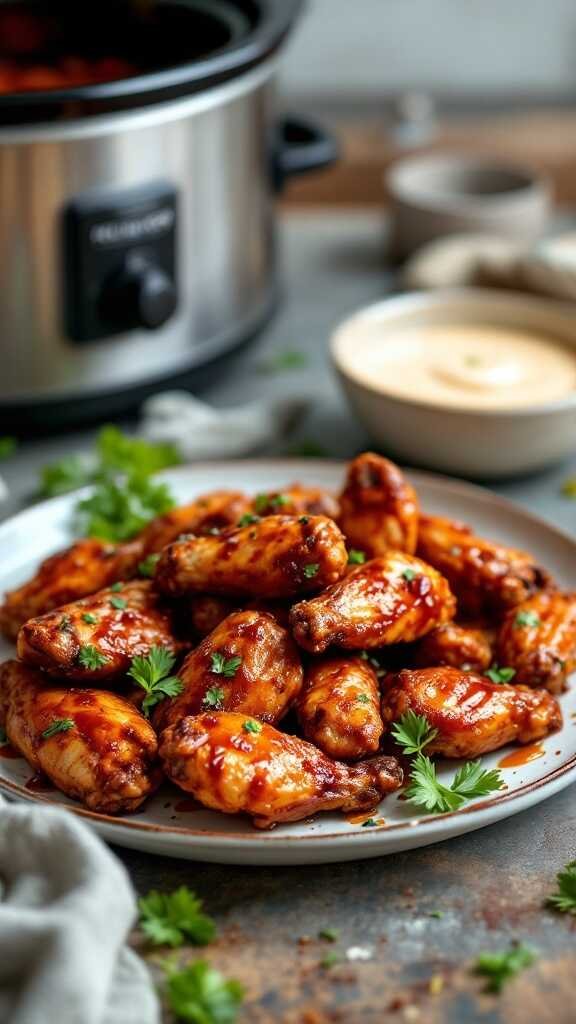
(475, 366)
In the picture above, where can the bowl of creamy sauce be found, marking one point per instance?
(468, 381)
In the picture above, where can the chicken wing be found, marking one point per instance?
(209, 512)
(456, 645)
(472, 714)
(93, 745)
(538, 640)
(297, 500)
(83, 568)
(487, 578)
(379, 508)
(235, 764)
(248, 664)
(94, 640)
(389, 600)
(279, 556)
(339, 708)
(206, 611)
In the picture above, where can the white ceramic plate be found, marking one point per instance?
(166, 827)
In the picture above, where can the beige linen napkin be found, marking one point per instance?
(66, 907)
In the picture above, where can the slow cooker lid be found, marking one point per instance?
(175, 47)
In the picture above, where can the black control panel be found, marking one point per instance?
(119, 256)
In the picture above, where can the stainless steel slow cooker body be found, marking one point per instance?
(138, 244)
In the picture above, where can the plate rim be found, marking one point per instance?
(472, 814)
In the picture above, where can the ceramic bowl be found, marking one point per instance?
(482, 444)
(439, 194)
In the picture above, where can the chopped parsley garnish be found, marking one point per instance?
(264, 501)
(58, 725)
(152, 673)
(356, 557)
(116, 587)
(412, 732)
(471, 780)
(369, 823)
(223, 666)
(500, 675)
(330, 960)
(147, 567)
(248, 519)
(91, 658)
(65, 623)
(124, 498)
(311, 570)
(363, 698)
(499, 968)
(439, 914)
(251, 726)
(199, 994)
(214, 698)
(304, 520)
(119, 603)
(527, 618)
(564, 899)
(329, 934)
(169, 918)
(90, 619)
(409, 574)
(8, 446)
(280, 362)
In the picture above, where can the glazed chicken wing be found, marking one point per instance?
(472, 714)
(339, 707)
(297, 500)
(83, 568)
(456, 645)
(538, 640)
(91, 744)
(487, 578)
(379, 508)
(234, 764)
(277, 557)
(214, 511)
(94, 640)
(248, 664)
(389, 600)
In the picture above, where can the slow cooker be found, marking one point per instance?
(140, 154)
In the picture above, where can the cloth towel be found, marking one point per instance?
(66, 906)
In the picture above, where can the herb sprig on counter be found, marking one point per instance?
(124, 497)
(152, 673)
(413, 733)
(499, 968)
(202, 995)
(169, 918)
(564, 899)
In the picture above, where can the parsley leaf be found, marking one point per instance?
(369, 823)
(119, 603)
(147, 567)
(167, 919)
(118, 509)
(214, 698)
(89, 618)
(264, 501)
(248, 519)
(223, 666)
(412, 732)
(426, 790)
(65, 623)
(527, 618)
(409, 575)
(291, 359)
(251, 726)
(498, 968)
(500, 675)
(329, 934)
(70, 473)
(91, 658)
(152, 673)
(8, 446)
(116, 587)
(356, 557)
(58, 725)
(565, 899)
(199, 994)
(330, 960)
(363, 698)
(311, 570)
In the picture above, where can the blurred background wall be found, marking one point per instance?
(475, 47)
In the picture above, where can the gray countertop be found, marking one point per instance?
(490, 885)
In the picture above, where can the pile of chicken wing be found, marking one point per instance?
(303, 625)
